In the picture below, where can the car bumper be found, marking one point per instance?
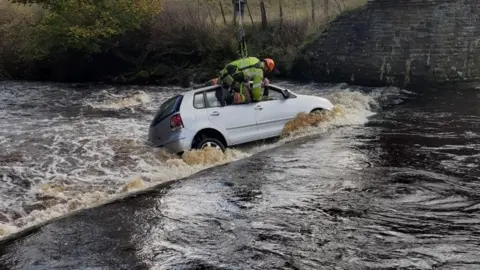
(177, 142)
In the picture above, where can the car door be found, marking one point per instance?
(272, 115)
(236, 121)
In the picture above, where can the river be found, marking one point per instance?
(389, 180)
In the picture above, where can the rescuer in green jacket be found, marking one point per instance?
(237, 75)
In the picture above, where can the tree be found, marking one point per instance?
(87, 25)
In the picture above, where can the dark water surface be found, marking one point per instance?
(400, 192)
(67, 147)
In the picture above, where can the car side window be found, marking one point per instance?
(199, 101)
(275, 95)
(212, 99)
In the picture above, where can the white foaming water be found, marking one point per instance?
(54, 165)
(118, 102)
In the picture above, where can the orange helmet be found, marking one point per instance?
(269, 64)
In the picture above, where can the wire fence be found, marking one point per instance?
(259, 13)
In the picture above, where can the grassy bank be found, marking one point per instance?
(149, 42)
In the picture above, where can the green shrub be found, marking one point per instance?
(85, 25)
(16, 32)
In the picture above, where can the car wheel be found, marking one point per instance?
(210, 142)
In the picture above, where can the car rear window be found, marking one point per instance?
(170, 106)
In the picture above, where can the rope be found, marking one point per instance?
(241, 37)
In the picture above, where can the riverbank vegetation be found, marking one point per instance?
(150, 41)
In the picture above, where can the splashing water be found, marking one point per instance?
(304, 120)
(117, 102)
(70, 154)
(135, 183)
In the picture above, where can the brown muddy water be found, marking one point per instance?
(389, 180)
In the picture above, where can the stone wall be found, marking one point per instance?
(405, 43)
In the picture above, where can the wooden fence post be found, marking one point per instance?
(223, 13)
(281, 13)
(264, 15)
(198, 9)
(250, 14)
(313, 10)
(325, 7)
(211, 18)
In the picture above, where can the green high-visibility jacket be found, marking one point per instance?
(241, 71)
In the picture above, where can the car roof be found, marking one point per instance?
(193, 91)
(212, 87)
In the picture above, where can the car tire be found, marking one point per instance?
(210, 142)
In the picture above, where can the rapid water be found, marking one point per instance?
(388, 180)
(67, 147)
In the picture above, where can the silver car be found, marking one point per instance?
(196, 119)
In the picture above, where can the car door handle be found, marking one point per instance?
(259, 108)
(215, 113)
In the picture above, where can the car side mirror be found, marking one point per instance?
(286, 93)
